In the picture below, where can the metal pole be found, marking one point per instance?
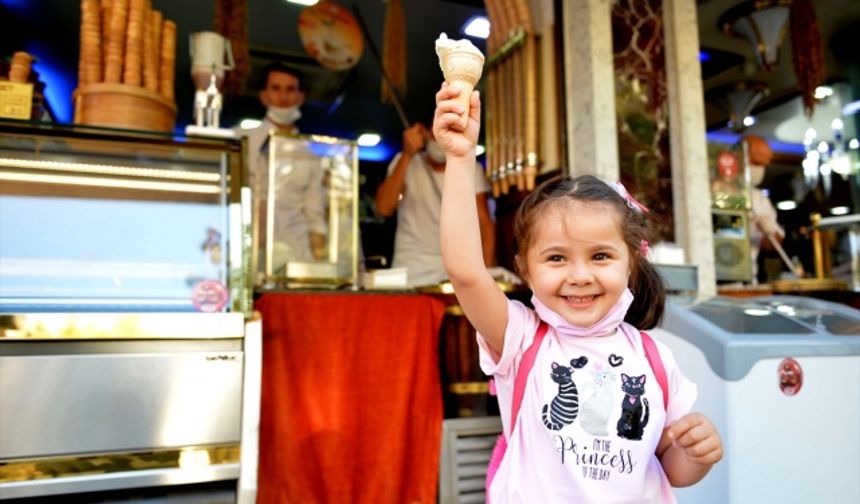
(375, 53)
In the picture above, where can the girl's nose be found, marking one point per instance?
(579, 273)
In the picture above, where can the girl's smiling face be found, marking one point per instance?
(577, 263)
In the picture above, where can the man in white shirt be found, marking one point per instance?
(763, 223)
(299, 222)
(413, 188)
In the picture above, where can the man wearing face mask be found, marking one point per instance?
(413, 188)
(300, 225)
(763, 215)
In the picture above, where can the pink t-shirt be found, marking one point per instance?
(590, 420)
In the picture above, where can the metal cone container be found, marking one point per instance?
(462, 68)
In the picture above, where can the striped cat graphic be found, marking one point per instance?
(564, 407)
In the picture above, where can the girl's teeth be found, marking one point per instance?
(580, 299)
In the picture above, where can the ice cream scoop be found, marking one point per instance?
(462, 64)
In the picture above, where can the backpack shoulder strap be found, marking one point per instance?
(653, 356)
(524, 370)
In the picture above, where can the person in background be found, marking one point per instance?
(413, 188)
(582, 250)
(763, 221)
(300, 222)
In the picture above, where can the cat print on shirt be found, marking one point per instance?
(564, 407)
(596, 410)
(633, 420)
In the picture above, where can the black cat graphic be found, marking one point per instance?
(632, 423)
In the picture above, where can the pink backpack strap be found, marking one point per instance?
(524, 370)
(653, 356)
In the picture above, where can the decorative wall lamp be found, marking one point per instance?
(763, 23)
(738, 99)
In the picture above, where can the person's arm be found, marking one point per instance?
(313, 206)
(488, 230)
(477, 293)
(389, 191)
(688, 449)
(765, 218)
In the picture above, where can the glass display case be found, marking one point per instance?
(105, 220)
(305, 200)
(124, 294)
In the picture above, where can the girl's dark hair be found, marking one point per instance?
(645, 282)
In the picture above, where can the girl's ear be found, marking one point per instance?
(520, 263)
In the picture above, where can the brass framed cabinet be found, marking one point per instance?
(124, 307)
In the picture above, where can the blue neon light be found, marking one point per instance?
(726, 137)
(704, 56)
(58, 84)
(379, 152)
(15, 4)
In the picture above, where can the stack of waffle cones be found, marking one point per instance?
(19, 70)
(127, 42)
(127, 65)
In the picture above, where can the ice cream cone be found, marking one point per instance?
(462, 64)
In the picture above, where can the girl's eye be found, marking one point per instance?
(601, 256)
(555, 258)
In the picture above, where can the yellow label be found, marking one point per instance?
(16, 99)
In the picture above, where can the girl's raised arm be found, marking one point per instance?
(481, 299)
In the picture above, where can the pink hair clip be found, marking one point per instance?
(634, 205)
(644, 248)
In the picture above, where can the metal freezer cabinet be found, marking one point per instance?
(124, 295)
(780, 378)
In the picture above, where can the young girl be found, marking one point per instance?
(592, 426)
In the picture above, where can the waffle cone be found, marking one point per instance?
(462, 68)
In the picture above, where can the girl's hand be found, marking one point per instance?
(697, 437)
(456, 141)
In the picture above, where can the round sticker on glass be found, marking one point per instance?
(210, 296)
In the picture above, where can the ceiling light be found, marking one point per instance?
(738, 99)
(368, 139)
(840, 210)
(303, 2)
(851, 108)
(478, 27)
(841, 165)
(757, 312)
(480, 150)
(822, 92)
(749, 121)
(250, 123)
(762, 24)
(786, 205)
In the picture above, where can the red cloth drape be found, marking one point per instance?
(351, 400)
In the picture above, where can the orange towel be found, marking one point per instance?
(351, 404)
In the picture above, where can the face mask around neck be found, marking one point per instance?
(434, 151)
(285, 116)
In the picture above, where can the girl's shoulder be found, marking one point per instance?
(522, 324)
(519, 333)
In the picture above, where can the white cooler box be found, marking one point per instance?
(780, 378)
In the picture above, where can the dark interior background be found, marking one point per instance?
(346, 104)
